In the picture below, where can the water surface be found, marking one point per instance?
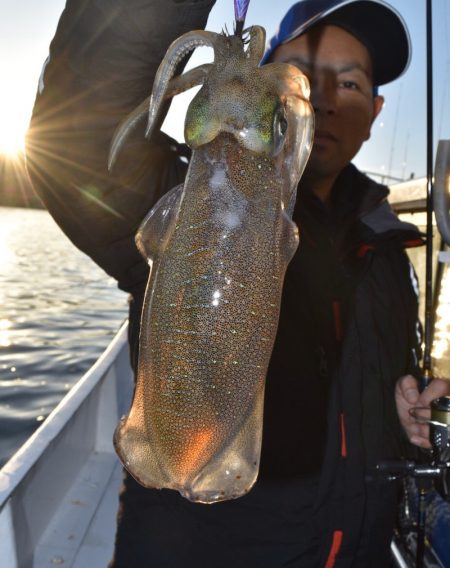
(58, 312)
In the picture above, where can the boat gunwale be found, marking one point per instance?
(27, 456)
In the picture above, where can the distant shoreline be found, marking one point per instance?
(22, 205)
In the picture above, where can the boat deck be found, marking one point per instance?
(82, 530)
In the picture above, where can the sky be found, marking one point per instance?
(398, 143)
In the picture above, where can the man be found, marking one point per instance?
(345, 352)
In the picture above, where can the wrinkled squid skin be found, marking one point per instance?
(218, 247)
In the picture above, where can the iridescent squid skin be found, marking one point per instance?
(218, 247)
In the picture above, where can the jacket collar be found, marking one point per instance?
(356, 197)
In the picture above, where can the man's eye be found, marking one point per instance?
(349, 85)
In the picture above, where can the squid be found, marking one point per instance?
(218, 247)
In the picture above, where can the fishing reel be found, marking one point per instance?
(436, 465)
(431, 471)
(440, 443)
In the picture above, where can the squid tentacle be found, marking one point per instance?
(176, 52)
(191, 78)
(257, 43)
(177, 85)
(124, 129)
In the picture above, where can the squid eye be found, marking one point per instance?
(280, 126)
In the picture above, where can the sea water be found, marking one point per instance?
(58, 312)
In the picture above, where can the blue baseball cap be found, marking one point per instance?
(374, 23)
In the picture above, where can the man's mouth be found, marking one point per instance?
(322, 135)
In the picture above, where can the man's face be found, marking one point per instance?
(339, 69)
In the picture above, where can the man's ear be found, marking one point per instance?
(378, 102)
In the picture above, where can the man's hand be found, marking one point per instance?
(407, 396)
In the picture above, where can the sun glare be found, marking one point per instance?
(12, 136)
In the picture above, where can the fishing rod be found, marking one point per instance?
(428, 320)
(440, 408)
(423, 485)
(435, 470)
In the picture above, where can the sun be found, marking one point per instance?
(12, 135)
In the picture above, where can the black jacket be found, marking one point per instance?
(102, 63)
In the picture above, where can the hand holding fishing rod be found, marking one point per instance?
(409, 396)
(424, 411)
(425, 415)
(434, 419)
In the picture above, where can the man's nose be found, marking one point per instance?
(323, 94)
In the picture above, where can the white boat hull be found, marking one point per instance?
(58, 493)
